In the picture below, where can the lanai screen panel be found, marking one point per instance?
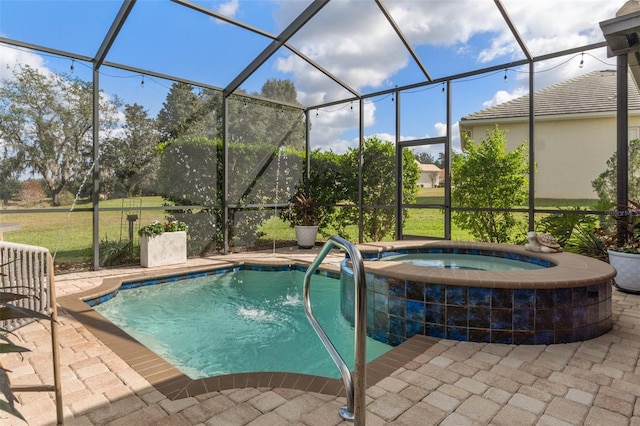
(451, 37)
(265, 162)
(72, 26)
(174, 40)
(555, 25)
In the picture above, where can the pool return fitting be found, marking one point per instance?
(355, 385)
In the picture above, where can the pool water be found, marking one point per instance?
(464, 261)
(243, 321)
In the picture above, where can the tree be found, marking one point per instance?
(424, 158)
(280, 90)
(379, 192)
(253, 120)
(484, 175)
(46, 125)
(131, 157)
(605, 183)
(186, 113)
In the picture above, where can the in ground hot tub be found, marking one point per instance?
(564, 298)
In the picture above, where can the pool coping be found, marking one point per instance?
(174, 384)
(570, 270)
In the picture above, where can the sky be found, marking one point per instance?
(350, 39)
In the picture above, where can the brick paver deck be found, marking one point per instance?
(596, 382)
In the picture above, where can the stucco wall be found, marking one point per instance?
(569, 154)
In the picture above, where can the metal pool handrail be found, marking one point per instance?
(354, 386)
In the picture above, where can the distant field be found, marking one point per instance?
(68, 235)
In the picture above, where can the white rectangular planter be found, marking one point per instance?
(164, 249)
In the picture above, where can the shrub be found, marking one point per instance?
(66, 198)
(485, 175)
(31, 192)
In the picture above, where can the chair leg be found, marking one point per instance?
(56, 371)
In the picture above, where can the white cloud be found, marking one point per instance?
(502, 96)
(11, 56)
(363, 51)
(229, 8)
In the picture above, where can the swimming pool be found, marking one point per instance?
(475, 262)
(237, 321)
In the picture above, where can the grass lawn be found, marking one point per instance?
(68, 235)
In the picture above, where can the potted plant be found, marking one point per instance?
(623, 247)
(163, 243)
(304, 217)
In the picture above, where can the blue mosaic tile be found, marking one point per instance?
(381, 302)
(580, 333)
(434, 313)
(435, 330)
(414, 328)
(563, 317)
(395, 340)
(370, 299)
(563, 336)
(381, 321)
(367, 256)
(523, 338)
(501, 298)
(334, 275)
(478, 335)
(380, 336)
(524, 298)
(604, 310)
(435, 250)
(128, 286)
(523, 319)
(396, 326)
(502, 336)
(593, 314)
(456, 295)
(396, 288)
(434, 293)
(457, 316)
(415, 310)
(100, 300)
(543, 338)
(479, 317)
(414, 290)
(579, 316)
(501, 319)
(544, 299)
(457, 333)
(523, 316)
(579, 295)
(593, 294)
(562, 298)
(396, 306)
(479, 296)
(380, 285)
(544, 319)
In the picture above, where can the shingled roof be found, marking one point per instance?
(594, 92)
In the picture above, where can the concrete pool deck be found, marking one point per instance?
(449, 382)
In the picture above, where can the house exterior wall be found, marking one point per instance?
(569, 153)
(429, 179)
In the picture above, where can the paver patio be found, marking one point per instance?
(596, 382)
